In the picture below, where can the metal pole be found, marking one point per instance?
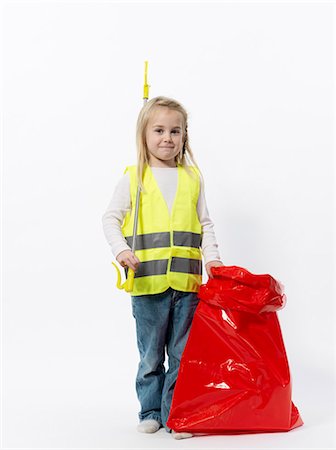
(128, 285)
(135, 226)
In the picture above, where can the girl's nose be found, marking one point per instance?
(167, 137)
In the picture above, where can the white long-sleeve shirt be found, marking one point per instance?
(166, 179)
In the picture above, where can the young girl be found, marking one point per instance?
(174, 230)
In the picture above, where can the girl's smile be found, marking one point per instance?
(164, 137)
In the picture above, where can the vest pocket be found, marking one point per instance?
(186, 265)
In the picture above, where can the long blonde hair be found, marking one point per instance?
(185, 157)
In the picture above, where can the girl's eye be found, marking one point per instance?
(174, 131)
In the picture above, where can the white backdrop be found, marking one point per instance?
(256, 79)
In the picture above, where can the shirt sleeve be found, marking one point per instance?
(114, 216)
(209, 244)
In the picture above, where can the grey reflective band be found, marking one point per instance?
(160, 240)
(186, 239)
(150, 240)
(186, 265)
(154, 267)
(159, 267)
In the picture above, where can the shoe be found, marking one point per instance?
(182, 435)
(149, 426)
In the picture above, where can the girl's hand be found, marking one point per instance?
(212, 264)
(128, 259)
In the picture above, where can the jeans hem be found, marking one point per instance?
(151, 417)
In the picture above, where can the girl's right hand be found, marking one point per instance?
(128, 259)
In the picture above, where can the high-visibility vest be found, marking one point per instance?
(167, 244)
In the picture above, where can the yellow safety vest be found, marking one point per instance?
(167, 245)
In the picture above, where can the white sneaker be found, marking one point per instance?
(182, 435)
(149, 426)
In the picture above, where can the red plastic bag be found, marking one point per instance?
(234, 375)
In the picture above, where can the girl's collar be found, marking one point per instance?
(154, 167)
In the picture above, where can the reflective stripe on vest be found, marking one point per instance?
(157, 240)
(187, 239)
(167, 242)
(159, 267)
(186, 265)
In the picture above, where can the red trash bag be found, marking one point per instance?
(234, 375)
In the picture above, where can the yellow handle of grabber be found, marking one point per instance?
(128, 284)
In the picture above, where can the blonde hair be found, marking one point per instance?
(185, 156)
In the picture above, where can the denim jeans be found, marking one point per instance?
(162, 323)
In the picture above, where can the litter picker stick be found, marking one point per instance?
(128, 285)
(130, 274)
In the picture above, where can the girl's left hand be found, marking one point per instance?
(212, 264)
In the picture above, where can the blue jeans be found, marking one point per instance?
(162, 323)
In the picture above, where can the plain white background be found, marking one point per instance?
(256, 79)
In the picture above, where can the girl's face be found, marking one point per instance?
(164, 137)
